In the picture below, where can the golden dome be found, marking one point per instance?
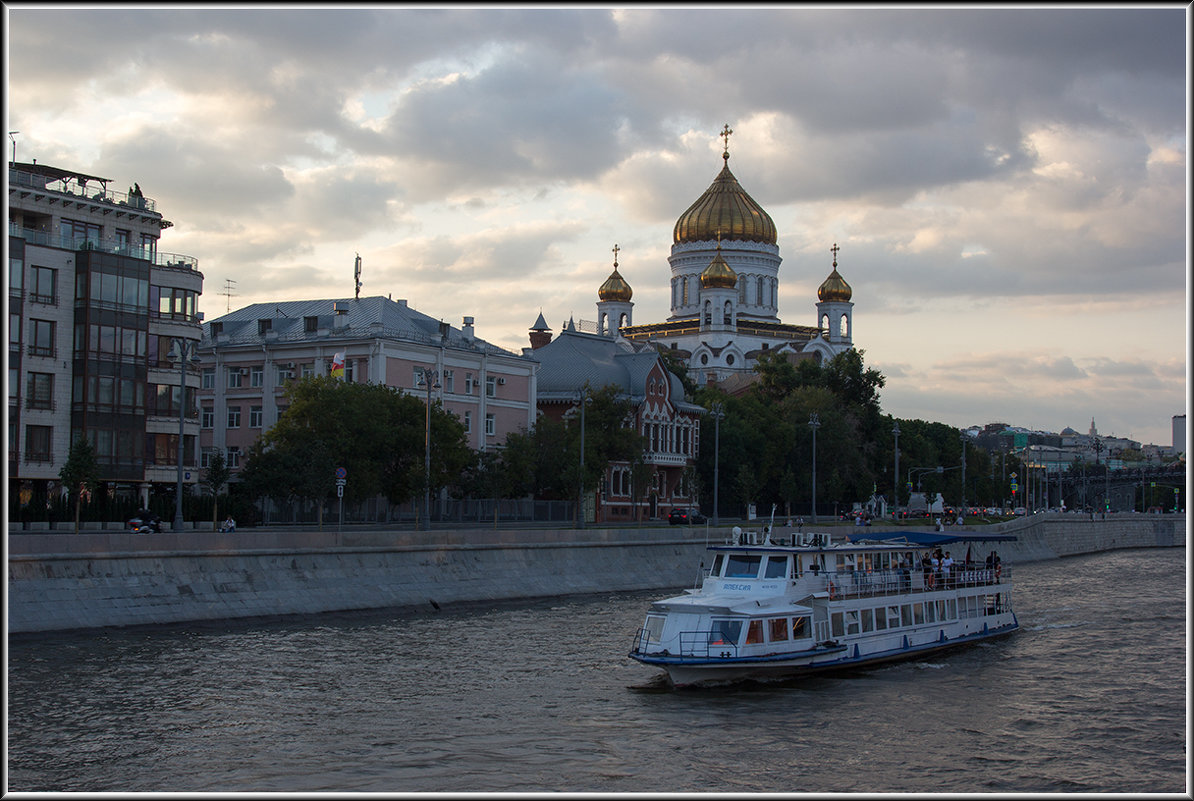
(615, 287)
(834, 288)
(719, 275)
(725, 209)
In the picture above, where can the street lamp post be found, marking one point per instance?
(895, 477)
(580, 493)
(814, 422)
(431, 380)
(718, 414)
(182, 352)
(963, 509)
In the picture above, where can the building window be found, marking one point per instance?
(490, 425)
(449, 381)
(234, 417)
(255, 416)
(468, 422)
(491, 386)
(307, 370)
(469, 381)
(40, 391)
(233, 459)
(310, 324)
(209, 378)
(263, 326)
(256, 376)
(217, 330)
(207, 417)
(284, 375)
(44, 288)
(233, 377)
(42, 338)
(37, 443)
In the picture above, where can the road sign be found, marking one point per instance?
(341, 472)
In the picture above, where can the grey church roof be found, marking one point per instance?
(370, 317)
(574, 358)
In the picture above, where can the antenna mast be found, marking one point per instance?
(228, 282)
(357, 277)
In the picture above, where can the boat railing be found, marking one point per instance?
(709, 642)
(867, 583)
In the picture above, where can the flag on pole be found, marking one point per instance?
(338, 365)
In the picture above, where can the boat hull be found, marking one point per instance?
(685, 672)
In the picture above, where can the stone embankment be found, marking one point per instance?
(60, 581)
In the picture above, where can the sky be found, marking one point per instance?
(1008, 186)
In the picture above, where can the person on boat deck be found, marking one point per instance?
(947, 567)
(926, 564)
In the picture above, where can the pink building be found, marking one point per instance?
(250, 355)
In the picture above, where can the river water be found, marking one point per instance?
(521, 697)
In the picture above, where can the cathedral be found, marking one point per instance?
(725, 289)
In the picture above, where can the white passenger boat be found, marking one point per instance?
(770, 610)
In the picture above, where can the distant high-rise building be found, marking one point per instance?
(94, 308)
(1179, 433)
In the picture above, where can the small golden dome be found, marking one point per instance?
(834, 287)
(719, 275)
(615, 287)
(725, 209)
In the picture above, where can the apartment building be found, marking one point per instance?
(94, 308)
(249, 356)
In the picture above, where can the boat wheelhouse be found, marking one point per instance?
(770, 610)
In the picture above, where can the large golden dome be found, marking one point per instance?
(725, 209)
(719, 275)
(615, 287)
(834, 288)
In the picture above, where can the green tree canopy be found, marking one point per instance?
(80, 474)
(375, 432)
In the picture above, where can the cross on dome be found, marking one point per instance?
(835, 249)
(616, 249)
(725, 137)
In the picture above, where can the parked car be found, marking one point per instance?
(692, 515)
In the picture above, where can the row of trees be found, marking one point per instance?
(765, 443)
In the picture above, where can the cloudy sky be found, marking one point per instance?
(1007, 186)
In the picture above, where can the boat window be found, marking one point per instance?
(868, 620)
(906, 615)
(800, 628)
(893, 617)
(653, 628)
(777, 567)
(881, 618)
(866, 565)
(754, 632)
(852, 622)
(742, 566)
(717, 561)
(952, 609)
(836, 622)
(777, 629)
(930, 612)
(918, 613)
(725, 632)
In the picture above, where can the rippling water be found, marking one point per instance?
(1089, 696)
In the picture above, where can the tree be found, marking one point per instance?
(376, 432)
(214, 479)
(80, 474)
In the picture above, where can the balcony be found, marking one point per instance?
(37, 181)
(48, 239)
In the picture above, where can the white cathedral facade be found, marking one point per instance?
(725, 289)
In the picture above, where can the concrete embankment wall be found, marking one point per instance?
(91, 580)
